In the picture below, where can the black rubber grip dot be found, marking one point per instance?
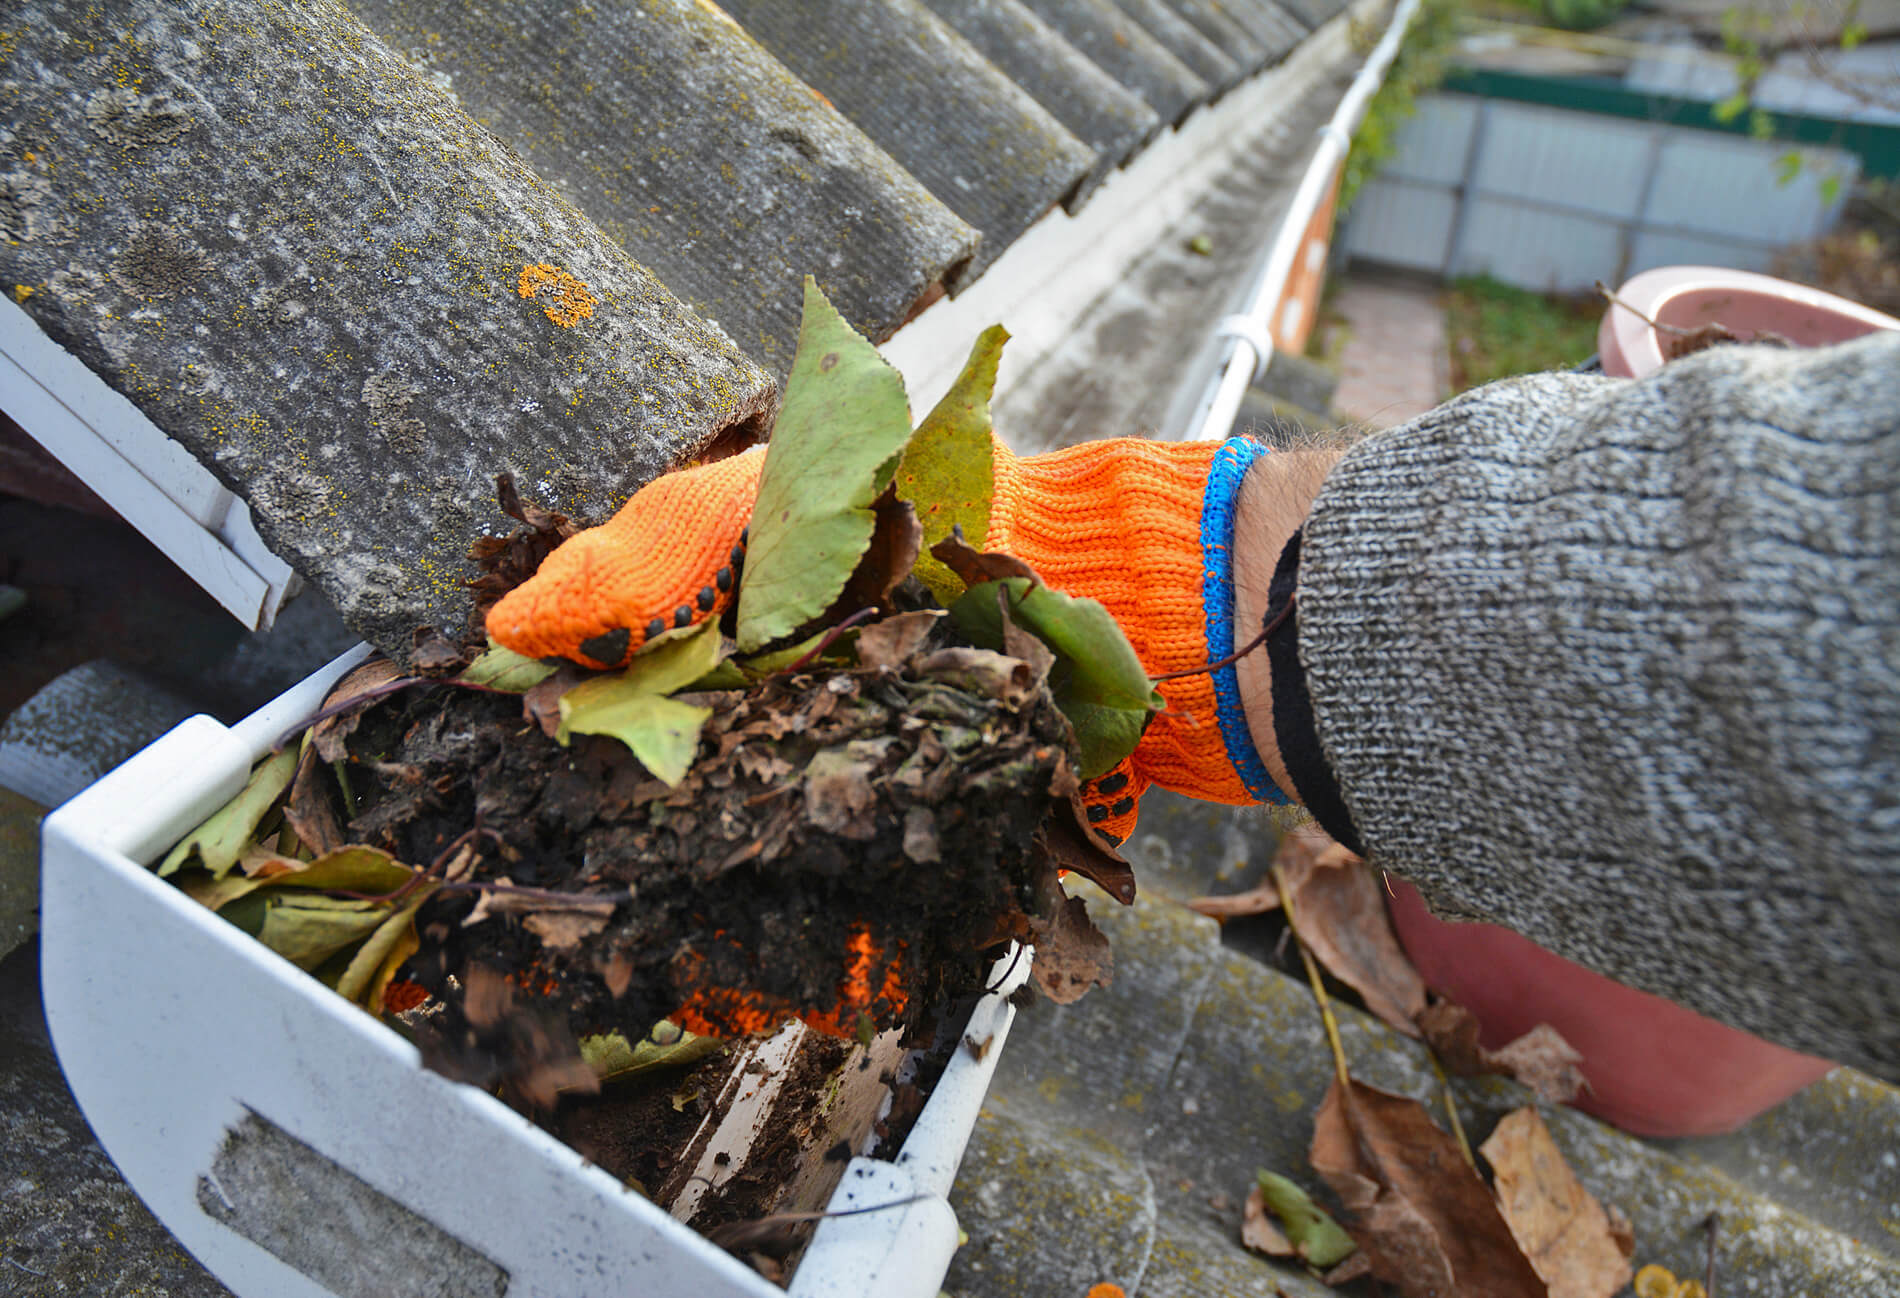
(608, 647)
(706, 598)
(723, 578)
(683, 615)
(1097, 815)
(655, 627)
(1113, 783)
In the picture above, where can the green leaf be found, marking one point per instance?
(613, 1057)
(833, 450)
(222, 839)
(1314, 1235)
(1731, 108)
(728, 675)
(1787, 167)
(1098, 681)
(308, 928)
(948, 473)
(666, 665)
(1853, 35)
(632, 706)
(358, 869)
(1830, 188)
(360, 978)
(504, 669)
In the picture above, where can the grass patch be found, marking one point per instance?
(1495, 330)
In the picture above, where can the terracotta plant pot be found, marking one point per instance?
(1655, 1069)
(1688, 297)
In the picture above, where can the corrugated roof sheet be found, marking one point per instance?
(1227, 35)
(308, 266)
(1094, 107)
(979, 141)
(1184, 42)
(1124, 50)
(699, 152)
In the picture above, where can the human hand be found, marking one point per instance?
(1144, 527)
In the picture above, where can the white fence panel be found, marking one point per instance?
(1555, 200)
(1570, 159)
(1403, 223)
(1535, 247)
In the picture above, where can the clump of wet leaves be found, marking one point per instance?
(839, 805)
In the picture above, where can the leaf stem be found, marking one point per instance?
(831, 634)
(1451, 1111)
(1312, 974)
(1272, 625)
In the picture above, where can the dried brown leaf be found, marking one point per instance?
(1018, 643)
(921, 843)
(1254, 901)
(1258, 1231)
(974, 567)
(1073, 845)
(1541, 1059)
(839, 797)
(889, 641)
(983, 672)
(896, 540)
(1424, 1217)
(310, 810)
(1562, 1228)
(564, 929)
(1340, 903)
(433, 655)
(1072, 955)
(541, 703)
(328, 734)
(505, 562)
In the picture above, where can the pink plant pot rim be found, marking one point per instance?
(1687, 297)
(1655, 1068)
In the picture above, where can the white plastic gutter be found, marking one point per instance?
(1251, 329)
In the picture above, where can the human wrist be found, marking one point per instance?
(1273, 502)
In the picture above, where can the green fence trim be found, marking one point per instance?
(1876, 144)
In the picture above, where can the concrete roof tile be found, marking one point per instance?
(1122, 48)
(1095, 107)
(698, 151)
(989, 151)
(1182, 40)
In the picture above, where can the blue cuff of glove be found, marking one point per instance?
(1230, 465)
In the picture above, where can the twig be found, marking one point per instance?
(1237, 655)
(1708, 1272)
(1451, 1112)
(24, 1267)
(831, 634)
(344, 705)
(738, 1234)
(376, 692)
(1319, 988)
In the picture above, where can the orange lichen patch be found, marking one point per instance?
(566, 302)
(1106, 1290)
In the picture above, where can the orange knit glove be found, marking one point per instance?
(1144, 527)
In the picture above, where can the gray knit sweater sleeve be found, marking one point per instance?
(1617, 664)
